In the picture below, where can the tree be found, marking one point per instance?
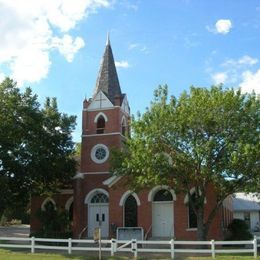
(35, 146)
(206, 137)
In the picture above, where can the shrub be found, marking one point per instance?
(55, 223)
(238, 230)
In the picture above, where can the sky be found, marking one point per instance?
(56, 46)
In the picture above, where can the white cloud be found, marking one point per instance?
(130, 5)
(139, 47)
(250, 82)
(133, 46)
(67, 46)
(31, 29)
(232, 70)
(219, 77)
(122, 64)
(247, 60)
(244, 61)
(223, 26)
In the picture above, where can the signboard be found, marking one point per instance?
(97, 234)
(128, 233)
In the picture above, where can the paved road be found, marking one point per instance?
(15, 231)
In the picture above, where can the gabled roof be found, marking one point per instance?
(246, 201)
(107, 80)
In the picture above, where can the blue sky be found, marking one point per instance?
(55, 46)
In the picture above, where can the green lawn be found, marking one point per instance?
(10, 255)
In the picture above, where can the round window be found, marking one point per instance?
(99, 153)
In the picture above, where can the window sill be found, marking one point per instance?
(191, 229)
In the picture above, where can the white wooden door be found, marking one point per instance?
(98, 217)
(162, 219)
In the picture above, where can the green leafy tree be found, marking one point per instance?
(206, 137)
(35, 146)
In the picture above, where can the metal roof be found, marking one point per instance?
(246, 201)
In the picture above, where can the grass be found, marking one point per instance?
(14, 255)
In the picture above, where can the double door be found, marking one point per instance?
(98, 218)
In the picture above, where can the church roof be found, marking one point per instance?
(107, 80)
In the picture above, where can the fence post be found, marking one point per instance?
(113, 246)
(69, 245)
(134, 248)
(255, 246)
(172, 248)
(32, 245)
(213, 253)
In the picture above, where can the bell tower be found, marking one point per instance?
(105, 119)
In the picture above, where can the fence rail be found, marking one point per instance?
(133, 246)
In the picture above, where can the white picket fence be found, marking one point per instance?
(134, 246)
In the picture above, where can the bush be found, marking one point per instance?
(238, 230)
(55, 223)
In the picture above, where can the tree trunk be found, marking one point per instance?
(202, 231)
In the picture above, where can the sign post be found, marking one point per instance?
(97, 238)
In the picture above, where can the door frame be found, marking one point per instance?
(171, 203)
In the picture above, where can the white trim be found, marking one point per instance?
(68, 203)
(94, 192)
(90, 173)
(105, 108)
(66, 191)
(93, 153)
(78, 175)
(160, 187)
(114, 133)
(192, 190)
(123, 119)
(98, 109)
(46, 201)
(98, 115)
(191, 229)
(112, 180)
(126, 195)
(96, 104)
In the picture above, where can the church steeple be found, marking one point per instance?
(107, 80)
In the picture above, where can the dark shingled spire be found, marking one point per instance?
(107, 80)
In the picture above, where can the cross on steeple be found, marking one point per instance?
(100, 100)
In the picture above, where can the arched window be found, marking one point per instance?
(130, 212)
(99, 198)
(163, 195)
(101, 123)
(71, 212)
(123, 127)
(69, 207)
(48, 205)
(192, 217)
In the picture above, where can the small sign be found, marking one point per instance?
(97, 234)
(128, 233)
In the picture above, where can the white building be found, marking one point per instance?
(246, 206)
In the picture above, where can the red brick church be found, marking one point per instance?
(99, 199)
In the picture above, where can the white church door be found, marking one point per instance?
(162, 214)
(98, 215)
